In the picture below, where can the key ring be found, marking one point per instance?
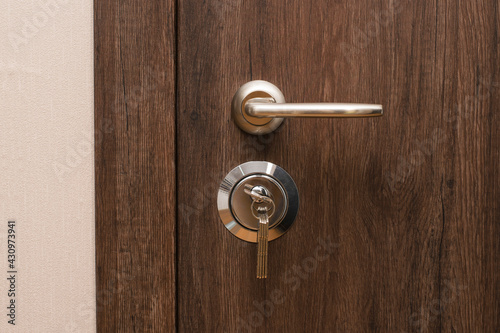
(255, 195)
(270, 212)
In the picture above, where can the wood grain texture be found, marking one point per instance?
(409, 201)
(135, 165)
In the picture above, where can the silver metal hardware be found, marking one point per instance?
(259, 107)
(258, 202)
(262, 241)
(265, 209)
(251, 182)
(258, 193)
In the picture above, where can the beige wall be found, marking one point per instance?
(46, 163)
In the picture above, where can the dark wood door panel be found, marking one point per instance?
(397, 229)
(135, 165)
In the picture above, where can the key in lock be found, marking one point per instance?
(263, 208)
(258, 202)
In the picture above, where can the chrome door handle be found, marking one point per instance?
(268, 108)
(259, 108)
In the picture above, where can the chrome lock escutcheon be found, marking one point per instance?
(258, 202)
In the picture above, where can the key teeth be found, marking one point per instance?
(260, 195)
(262, 246)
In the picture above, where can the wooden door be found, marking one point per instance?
(398, 226)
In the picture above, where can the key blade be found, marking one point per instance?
(262, 245)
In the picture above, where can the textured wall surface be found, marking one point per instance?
(46, 164)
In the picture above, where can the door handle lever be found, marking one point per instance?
(268, 108)
(259, 108)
